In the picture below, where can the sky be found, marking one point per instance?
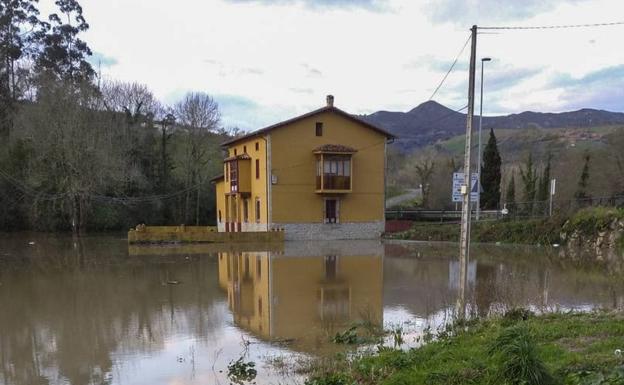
(264, 61)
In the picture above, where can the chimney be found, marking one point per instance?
(330, 100)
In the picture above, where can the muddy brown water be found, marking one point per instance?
(96, 311)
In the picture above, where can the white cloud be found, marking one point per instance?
(286, 55)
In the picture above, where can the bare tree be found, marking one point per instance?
(197, 116)
(135, 100)
(422, 165)
(75, 159)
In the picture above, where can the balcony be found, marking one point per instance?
(334, 169)
(238, 169)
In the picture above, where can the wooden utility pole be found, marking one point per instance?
(464, 237)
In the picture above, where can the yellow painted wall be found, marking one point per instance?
(297, 283)
(258, 186)
(294, 312)
(250, 305)
(293, 197)
(220, 199)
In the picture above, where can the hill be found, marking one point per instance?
(432, 122)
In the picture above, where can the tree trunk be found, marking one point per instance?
(197, 205)
(74, 215)
(82, 205)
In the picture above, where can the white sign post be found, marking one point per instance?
(553, 183)
(458, 182)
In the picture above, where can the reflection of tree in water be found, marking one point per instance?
(87, 299)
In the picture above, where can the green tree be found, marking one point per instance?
(581, 193)
(491, 175)
(19, 24)
(543, 190)
(510, 196)
(529, 181)
(63, 53)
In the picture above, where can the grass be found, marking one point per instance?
(530, 231)
(591, 221)
(545, 231)
(519, 349)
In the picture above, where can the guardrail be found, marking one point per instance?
(436, 215)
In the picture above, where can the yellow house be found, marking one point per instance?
(320, 175)
(305, 293)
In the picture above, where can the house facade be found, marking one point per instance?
(320, 175)
(304, 292)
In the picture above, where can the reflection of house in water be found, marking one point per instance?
(305, 293)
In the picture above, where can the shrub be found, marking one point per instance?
(516, 357)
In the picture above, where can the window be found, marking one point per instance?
(258, 266)
(331, 211)
(246, 210)
(319, 128)
(219, 216)
(335, 171)
(233, 176)
(257, 210)
(257, 168)
(227, 171)
(260, 306)
(244, 149)
(257, 146)
(234, 151)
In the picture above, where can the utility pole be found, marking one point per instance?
(464, 237)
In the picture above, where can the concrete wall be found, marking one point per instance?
(156, 234)
(336, 231)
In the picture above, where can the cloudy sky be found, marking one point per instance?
(267, 60)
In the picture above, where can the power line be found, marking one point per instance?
(450, 69)
(565, 26)
(43, 196)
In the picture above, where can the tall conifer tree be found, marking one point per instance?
(510, 196)
(491, 175)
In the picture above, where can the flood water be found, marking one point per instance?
(95, 311)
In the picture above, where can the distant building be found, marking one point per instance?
(320, 175)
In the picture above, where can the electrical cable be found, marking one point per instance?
(565, 26)
(450, 69)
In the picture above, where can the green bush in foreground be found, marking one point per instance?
(519, 348)
(517, 360)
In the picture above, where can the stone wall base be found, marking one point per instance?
(331, 231)
(254, 226)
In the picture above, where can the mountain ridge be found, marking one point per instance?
(431, 122)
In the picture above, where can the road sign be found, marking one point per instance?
(458, 182)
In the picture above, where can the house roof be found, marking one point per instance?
(307, 115)
(243, 156)
(217, 178)
(335, 148)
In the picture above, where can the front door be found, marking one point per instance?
(331, 211)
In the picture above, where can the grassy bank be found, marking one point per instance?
(587, 223)
(532, 231)
(518, 348)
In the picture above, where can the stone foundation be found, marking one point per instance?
(254, 226)
(331, 231)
